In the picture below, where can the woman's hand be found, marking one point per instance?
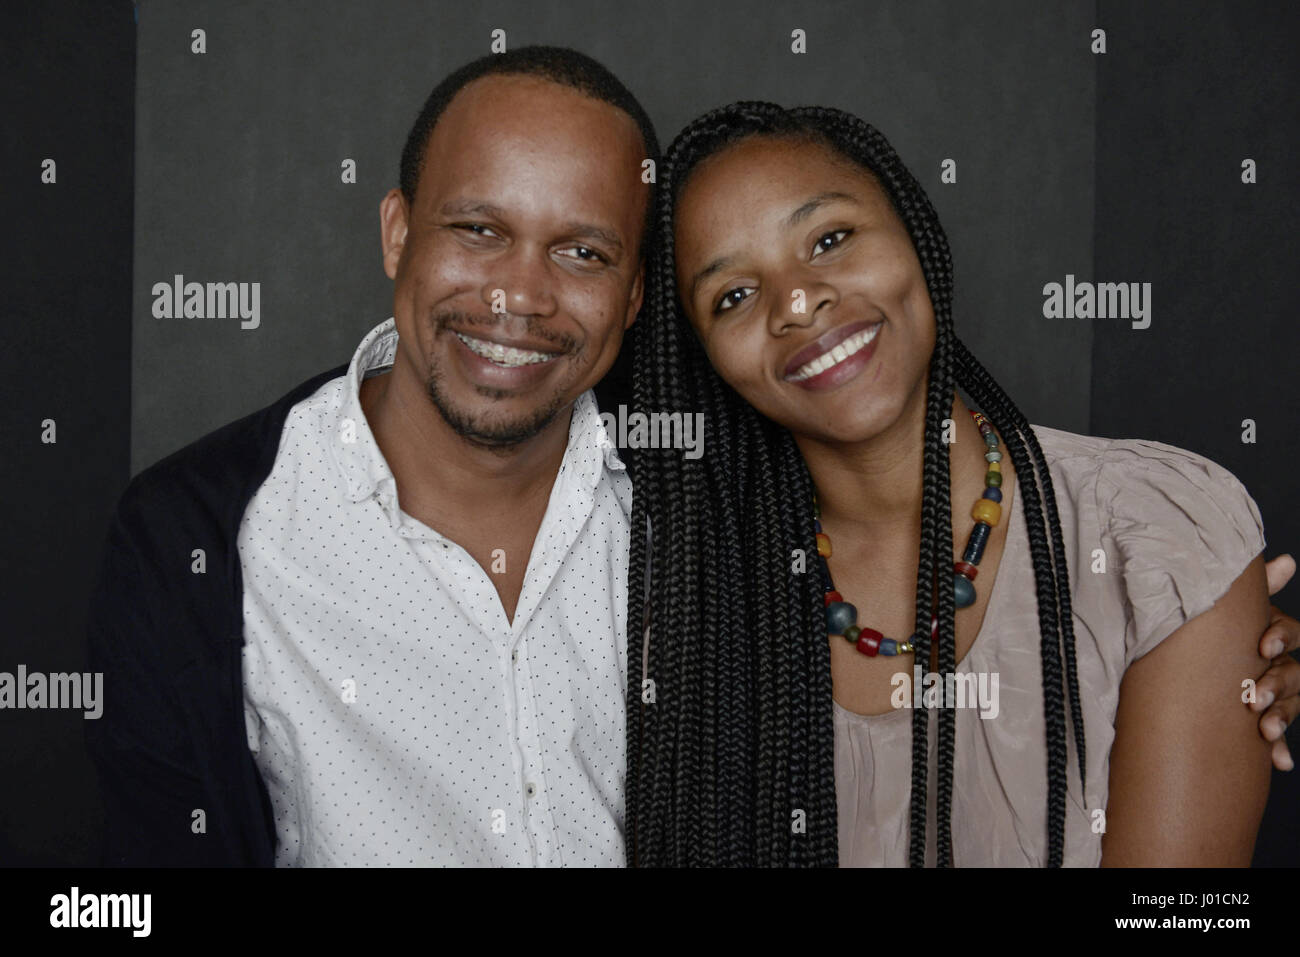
(1277, 692)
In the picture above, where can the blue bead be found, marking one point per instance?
(963, 590)
(991, 440)
(979, 537)
(993, 494)
(888, 646)
(817, 525)
(840, 615)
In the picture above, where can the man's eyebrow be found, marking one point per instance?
(810, 207)
(592, 231)
(468, 207)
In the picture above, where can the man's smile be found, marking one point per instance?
(505, 355)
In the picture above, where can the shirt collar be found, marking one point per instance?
(589, 452)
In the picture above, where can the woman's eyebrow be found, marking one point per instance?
(716, 266)
(810, 207)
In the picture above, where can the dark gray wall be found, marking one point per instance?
(65, 264)
(238, 153)
(1183, 100)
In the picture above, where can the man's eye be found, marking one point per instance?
(478, 229)
(732, 298)
(831, 240)
(584, 254)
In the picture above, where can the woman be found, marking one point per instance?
(802, 302)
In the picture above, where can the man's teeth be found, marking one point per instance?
(504, 355)
(835, 356)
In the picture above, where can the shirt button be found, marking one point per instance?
(514, 656)
(530, 789)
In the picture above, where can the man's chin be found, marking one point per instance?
(495, 427)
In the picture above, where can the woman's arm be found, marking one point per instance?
(1189, 772)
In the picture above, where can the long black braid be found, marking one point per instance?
(736, 750)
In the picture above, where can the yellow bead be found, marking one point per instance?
(823, 545)
(986, 510)
(993, 466)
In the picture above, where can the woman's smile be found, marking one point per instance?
(835, 358)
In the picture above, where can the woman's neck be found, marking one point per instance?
(875, 487)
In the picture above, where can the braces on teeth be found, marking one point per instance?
(504, 355)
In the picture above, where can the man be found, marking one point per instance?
(383, 621)
(435, 681)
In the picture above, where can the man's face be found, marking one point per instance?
(518, 268)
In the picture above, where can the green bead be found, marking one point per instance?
(851, 633)
(840, 616)
(993, 479)
(963, 590)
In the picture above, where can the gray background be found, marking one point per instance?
(238, 156)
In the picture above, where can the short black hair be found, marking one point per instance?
(558, 64)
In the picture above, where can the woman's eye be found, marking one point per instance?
(732, 298)
(831, 240)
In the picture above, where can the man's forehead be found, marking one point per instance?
(531, 107)
(494, 150)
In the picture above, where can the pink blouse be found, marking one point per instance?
(1176, 530)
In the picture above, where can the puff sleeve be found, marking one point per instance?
(1181, 529)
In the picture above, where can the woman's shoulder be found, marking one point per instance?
(1175, 525)
(1153, 479)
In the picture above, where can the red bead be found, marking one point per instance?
(869, 641)
(966, 569)
(934, 626)
(833, 596)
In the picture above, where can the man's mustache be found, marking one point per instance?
(514, 327)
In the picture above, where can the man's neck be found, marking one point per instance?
(440, 472)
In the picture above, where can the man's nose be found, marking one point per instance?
(522, 284)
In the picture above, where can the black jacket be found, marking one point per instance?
(179, 784)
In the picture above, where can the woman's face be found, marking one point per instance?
(804, 287)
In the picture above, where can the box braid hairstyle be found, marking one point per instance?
(739, 737)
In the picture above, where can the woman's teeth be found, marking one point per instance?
(835, 356)
(504, 355)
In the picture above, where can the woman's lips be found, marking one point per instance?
(824, 344)
(834, 357)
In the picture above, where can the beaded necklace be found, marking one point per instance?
(842, 617)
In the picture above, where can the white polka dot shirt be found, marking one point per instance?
(396, 715)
